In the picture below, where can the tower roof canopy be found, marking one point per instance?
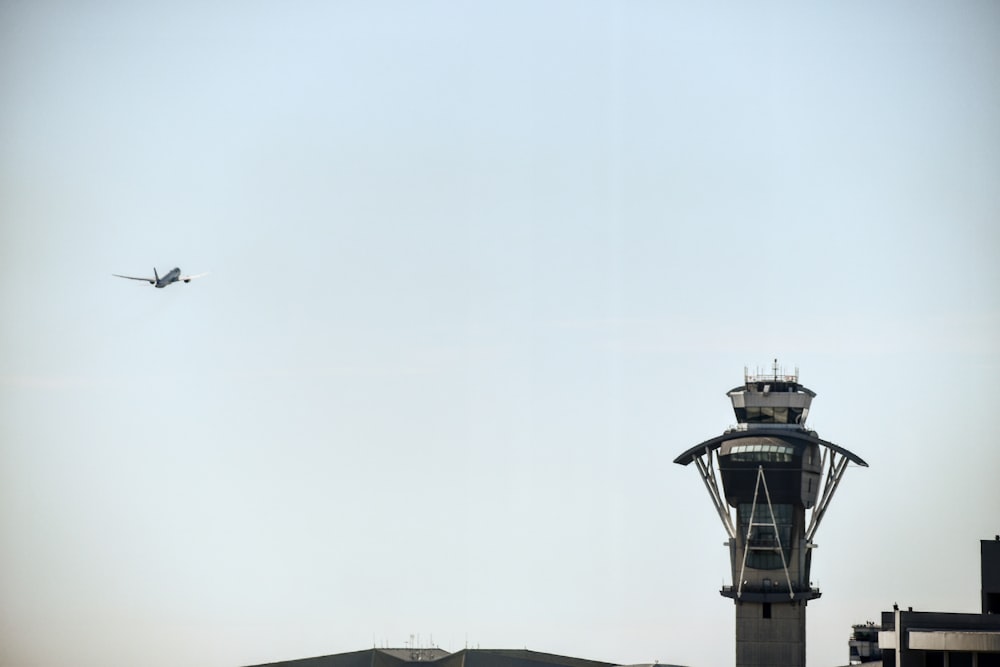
(808, 436)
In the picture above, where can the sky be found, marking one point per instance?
(478, 272)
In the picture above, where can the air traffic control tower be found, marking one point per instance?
(779, 478)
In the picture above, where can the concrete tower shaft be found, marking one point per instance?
(778, 478)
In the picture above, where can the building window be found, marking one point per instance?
(769, 415)
(766, 611)
(762, 453)
(959, 659)
(763, 542)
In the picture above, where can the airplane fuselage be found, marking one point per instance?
(171, 277)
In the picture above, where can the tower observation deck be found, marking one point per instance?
(778, 478)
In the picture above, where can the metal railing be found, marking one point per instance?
(772, 587)
(777, 374)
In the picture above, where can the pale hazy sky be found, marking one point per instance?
(479, 272)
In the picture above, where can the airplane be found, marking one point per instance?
(172, 277)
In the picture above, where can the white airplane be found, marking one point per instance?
(172, 277)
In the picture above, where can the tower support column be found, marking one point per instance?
(770, 634)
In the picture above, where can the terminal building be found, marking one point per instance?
(863, 646)
(405, 657)
(937, 639)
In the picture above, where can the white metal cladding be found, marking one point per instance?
(745, 399)
(982, 641)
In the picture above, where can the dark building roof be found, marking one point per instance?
(375, 657)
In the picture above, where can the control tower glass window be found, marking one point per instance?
(769, 415)
(763, 543)
(762, 453)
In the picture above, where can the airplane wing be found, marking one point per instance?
(151, 281)
(188, 279)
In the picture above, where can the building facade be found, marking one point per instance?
(936, 639)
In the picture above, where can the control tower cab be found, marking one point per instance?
(778, 478)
